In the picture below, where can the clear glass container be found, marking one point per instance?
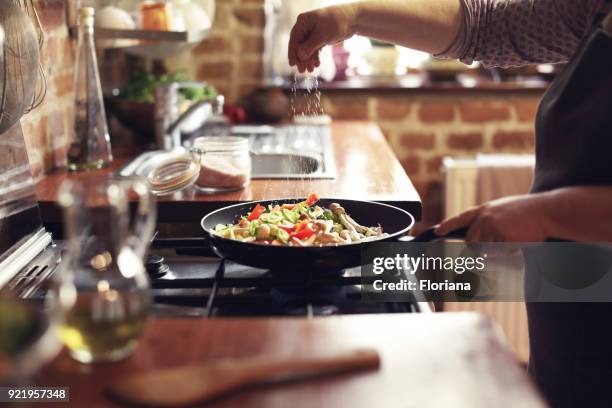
(225, 163)
(102, 291)
(90, 148)
(174, 174)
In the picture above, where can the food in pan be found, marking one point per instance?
(301, 224)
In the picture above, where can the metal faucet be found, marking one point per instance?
(169, 123)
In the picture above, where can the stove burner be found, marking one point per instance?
(155, 266)
(220, 287)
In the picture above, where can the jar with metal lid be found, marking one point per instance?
(225, 163)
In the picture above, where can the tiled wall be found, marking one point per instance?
(46, 129)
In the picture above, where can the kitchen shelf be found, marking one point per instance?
(147, 37)
(149, 44)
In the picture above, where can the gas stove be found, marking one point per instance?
(189, 280)
(187, 276)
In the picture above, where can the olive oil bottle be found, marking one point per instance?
(90, 147)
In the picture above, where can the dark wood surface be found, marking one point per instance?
(427, 360)
(367, 169)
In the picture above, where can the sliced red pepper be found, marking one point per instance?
(312, 198)
(304, 233)
(287, 227)
(256, 213)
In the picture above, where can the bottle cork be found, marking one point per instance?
(87, 15)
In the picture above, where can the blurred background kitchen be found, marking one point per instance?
(440, 117)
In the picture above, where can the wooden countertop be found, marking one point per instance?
(428, 360)
(367, 169)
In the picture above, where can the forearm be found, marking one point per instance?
(426, 25)
(579, 213)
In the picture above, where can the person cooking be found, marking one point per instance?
(571, 198)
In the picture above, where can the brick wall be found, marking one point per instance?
(422, 128)
(46, 128)
(231, 58)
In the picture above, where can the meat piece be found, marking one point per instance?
(350, 224)
(328, 238)
(323, 226)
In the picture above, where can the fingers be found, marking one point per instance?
(484, 230)
(303, 29)
(310, 47)
(462, 220)
(309, 65)
(308, 61)
(304, 44)
(474, 233)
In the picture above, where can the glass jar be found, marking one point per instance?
(225, 163)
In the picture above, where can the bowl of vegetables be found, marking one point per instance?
(134, 104)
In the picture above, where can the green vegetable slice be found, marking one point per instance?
(271, 218)
(253, 228)
(291, 216)
(282, 235)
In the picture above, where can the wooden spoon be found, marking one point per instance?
(196, 384)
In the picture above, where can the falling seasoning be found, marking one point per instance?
(90, 147)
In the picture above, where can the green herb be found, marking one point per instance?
(142, 88)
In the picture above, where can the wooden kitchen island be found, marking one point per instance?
(427, 360)
(366, 167)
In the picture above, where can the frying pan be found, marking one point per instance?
(395, 222)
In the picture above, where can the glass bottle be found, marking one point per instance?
(91, 148)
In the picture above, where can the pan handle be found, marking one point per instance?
(430, 235)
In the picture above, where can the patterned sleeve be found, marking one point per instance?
(504, 33)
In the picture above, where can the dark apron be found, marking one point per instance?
(571, 343)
